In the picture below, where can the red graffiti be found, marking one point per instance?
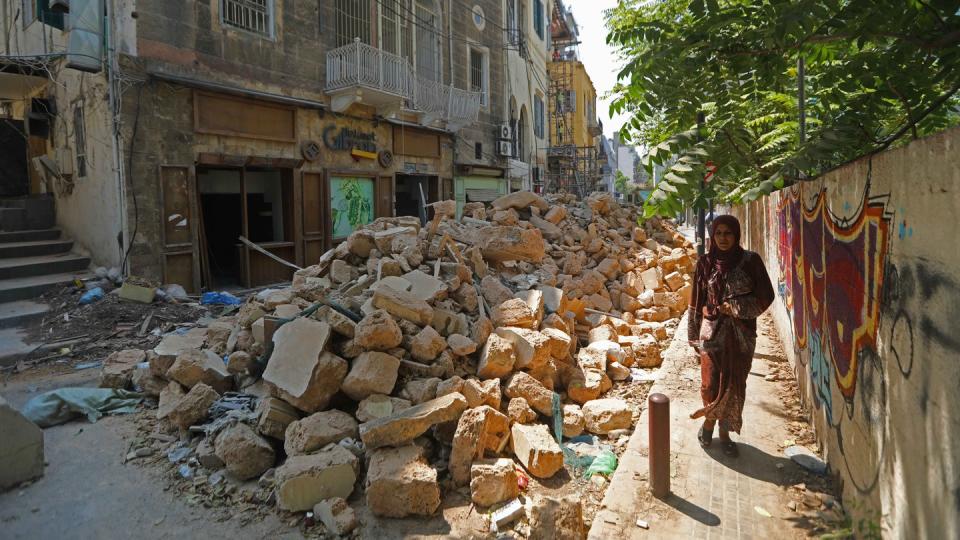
(832, 277)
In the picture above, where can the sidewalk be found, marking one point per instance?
(713, 496)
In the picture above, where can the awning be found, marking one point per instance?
(19, 86)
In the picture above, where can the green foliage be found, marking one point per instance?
(620, 182)
(876, 70)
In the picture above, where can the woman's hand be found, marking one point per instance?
(706, 311)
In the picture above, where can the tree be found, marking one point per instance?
(876, 70)
(620, 182)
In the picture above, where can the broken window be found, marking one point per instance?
(352, 20)
(80, 140)
(251, 15)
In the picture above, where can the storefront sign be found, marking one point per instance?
(410, 168)
(349, 139)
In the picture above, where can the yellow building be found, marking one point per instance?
(573, 112)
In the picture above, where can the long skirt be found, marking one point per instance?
(724, 366)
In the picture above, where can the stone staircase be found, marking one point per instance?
(34, 257)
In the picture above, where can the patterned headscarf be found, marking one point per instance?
(720, 263)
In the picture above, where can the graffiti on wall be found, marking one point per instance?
(832, 279)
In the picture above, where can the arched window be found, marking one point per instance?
(523, 140)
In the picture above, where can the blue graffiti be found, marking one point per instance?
(820, 374)
(904, 230)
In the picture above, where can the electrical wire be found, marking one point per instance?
(133, 192)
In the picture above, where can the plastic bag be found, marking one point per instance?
(605, 463)
(91, 296)
(175, 291)
(221, 298)
(62, 405)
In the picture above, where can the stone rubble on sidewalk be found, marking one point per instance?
(424, 357)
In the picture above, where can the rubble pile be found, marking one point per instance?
(415, 359)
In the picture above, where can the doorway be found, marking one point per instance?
(410, 192)
(14, 171)
(255, 203)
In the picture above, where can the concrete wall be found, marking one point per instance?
(88, 207)
(868, 269)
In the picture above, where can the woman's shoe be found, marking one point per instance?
(705, 436)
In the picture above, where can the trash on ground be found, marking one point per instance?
(219, 298)
(806, 459)
(91, 296)
(65, 404)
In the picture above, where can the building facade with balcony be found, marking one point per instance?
(288, 123)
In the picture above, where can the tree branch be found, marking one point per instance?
(885, 143)
(923, 3)
(906, 105)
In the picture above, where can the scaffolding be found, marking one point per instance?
(570, 168)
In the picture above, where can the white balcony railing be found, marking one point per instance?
(359, 65)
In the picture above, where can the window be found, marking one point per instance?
(40, 9)
(538, 116)
(396, 32)
(480, 74)
(427, 22)
(251, 15)
(479, 19)
(352, 20)
(538, 17)
(80, 141)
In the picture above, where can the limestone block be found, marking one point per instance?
(478, 430)
(275, 416)
(318, 430)
(21, 447)
(304, 481)
(245, 454)
(536, 449)
(400, 483)
(195, 366)
(427, 345)
(336, 515)
(380, 406)
(193, 407)
(493, 481)
(514, 312)
(403, 305)
(371, 373)
(497, 358)
(601, 416)
(531, 347)
(521, 384)
(408, 424)
(573, 422)
(117, 370)
(461, 345)
(520, 412)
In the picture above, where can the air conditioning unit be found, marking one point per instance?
(504, 132)
(504, 148)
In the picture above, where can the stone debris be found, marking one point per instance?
(429, 357)
(400, 483)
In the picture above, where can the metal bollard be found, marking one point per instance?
(659, 449)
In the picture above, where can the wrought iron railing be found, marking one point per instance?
(359, 64)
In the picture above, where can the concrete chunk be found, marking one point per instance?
(601, 416)
(493, 481)
(245, 453)
(21, 447)
(336, 515)
(300, 370)
(378, 332)
(532, 348)
(117, 370)
(275, 416)
(424, 286)
(318, 430)
(408, 424)
(497, 358)
(479, 430)
(194, 406)
(195, 366)
(427, 345)
(506, 243)
(371, 373)
(401, 483)
(521, 384)
(379, 406)
(536, 449)
(514, 312)
(303, 481)
(403, 305)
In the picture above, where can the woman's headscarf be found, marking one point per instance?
(720, 262)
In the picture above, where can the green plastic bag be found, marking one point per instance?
(65, 404)
(604, 464)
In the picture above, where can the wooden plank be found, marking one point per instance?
(221, 114)
(177, 215)
(384, 197)
(264, 270)
(178, 268)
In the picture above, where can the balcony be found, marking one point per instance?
(594, 128)
(360, 73)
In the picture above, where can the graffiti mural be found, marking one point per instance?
(832, 276)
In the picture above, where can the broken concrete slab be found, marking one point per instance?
(427, 345)
(480, 392)
(531, 347)
(408, 424)
(304, 481)
(499, 244)
(520, 412)
(461, 345)
(424, 286)
(300, 370)
(400, 483)
(403, 305)
(514, 312)
(172, 345)
(169, 397)
(520, 200)
(497, 358)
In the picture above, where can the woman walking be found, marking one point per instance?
(731, 289)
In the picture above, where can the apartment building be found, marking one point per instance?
(287, 123)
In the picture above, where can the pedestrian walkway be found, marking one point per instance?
(712, 496)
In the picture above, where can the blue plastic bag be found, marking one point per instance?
(91, 296)
(221, 298)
